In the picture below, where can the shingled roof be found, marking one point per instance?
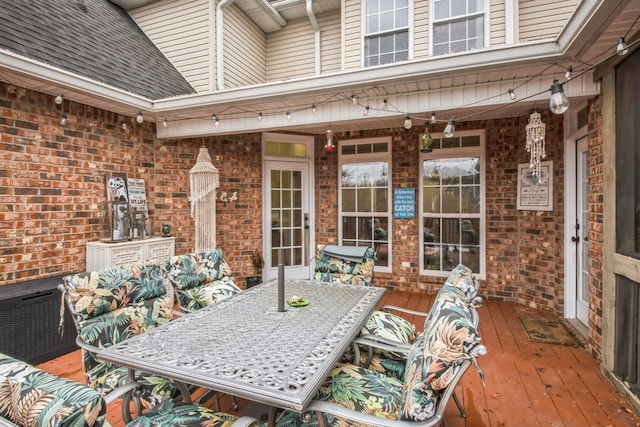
(102, 43)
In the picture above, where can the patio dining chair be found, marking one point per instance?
(110, 305)
(32, 397)
(345, 264)
(200, 279)
(437, 360)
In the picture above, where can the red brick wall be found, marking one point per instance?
(596, 218)
(53, 195)
(52, 179)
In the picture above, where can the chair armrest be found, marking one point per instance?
(390, 308)
(245, 422)
(382, 343)
(116, 393)
(7, 423)
(320, 406)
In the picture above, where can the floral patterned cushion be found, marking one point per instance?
(389, 326)
(333, 269)
(435, 356)
(357, 388)
(111, 305)
(176, 414)
(200, 279)
(32, 397)
(462, 278)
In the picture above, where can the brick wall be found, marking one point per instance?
(52, 179)
(53, 196)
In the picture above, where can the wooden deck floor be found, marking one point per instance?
(527, 383)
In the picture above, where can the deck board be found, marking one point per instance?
(527, 383)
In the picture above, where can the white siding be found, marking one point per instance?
(422, 29)
(330, 42)
(353, 34)
(541, 19)
(291, 51)
(244, 50)
(182, 31)
(497, 23)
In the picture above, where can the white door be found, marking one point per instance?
(288, 219)
(580, 237)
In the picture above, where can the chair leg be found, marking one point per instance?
(463, 414)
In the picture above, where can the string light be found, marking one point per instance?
(354, 100)
(216, 120)
(123, 125)
(384, 105)
(139, 117)
(63, 120)
(313, 108)
(433, 117)
(450, 129)
(288, 116)
(366, 111)
(407, 122)
(259, 117)
(567, 75)
(621, 48)
(558, 101)
(164, 122)
(512, 94)
(59, 99)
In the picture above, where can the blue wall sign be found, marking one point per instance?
(404, 202)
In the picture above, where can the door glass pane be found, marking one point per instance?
(286, 217)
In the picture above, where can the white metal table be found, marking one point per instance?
(245, 347)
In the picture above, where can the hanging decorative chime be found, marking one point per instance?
(535, 143)
(204, 181)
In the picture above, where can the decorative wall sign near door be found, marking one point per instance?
(548, 331)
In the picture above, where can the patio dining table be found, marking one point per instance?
(247, 346)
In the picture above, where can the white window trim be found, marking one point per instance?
(487, 23)
(363, 27)
(372, 157)
(446, 153)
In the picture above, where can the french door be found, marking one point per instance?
(581, 236)
(288, 219)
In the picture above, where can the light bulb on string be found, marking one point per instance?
(216, 120)
(433, 117)
(558, 101)
(512, 94)
(59, 99)
(450, 129)
(164, 122)
(354, 100)
(313, 108)
(384, 105)
(288, 115)
(63, 120)
(139, 117)
(621, 48)
(567, 75)
(407, 122)
(366, 111)
(259, 117)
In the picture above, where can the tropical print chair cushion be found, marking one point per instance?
(32, 397)
(111, 305)
(200, 279)
(462, 278)
(334, 269)
(174, 414)
(435, 355)
(356, 388)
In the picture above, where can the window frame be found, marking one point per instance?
(486, 39)
(368, 158)
(396, 30)
(449, 153)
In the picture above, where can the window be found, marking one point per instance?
(386, 32)
(452, 195)
(458, 26)
(365, 186)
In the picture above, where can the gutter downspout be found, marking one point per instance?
(220, 42)
(316, 29)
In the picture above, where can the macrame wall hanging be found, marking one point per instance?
(204, 181)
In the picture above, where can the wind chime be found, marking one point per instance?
(204, 180)
(535, 144)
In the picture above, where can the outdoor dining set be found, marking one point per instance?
(155, 333)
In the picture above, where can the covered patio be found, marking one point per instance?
(527, 383)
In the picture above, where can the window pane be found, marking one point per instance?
(381, 200)
(471, 199)
(386, 44)
(440, 34)
(470, 229)
(364, 200)
(386, 5)
(386, 21)
(372, 24)
(458, 8)
(431, 200)
(458, 30)
(442, 9)
(372, 6)
(348, 200)
(450, 142)
(349, 228)
(402, 18)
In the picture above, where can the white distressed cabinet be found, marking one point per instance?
(102, 255)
